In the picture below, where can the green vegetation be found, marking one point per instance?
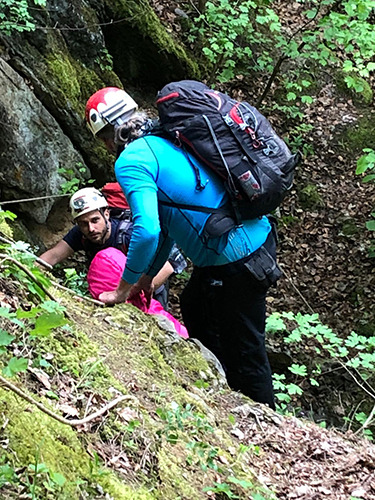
(366, 165)
(309, 197)
(167, 424)
(239, 38)
(15, 15)
(73, 183)
(324, 351)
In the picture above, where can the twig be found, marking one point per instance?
(38, 259)
(73, 422)
(296, 289)
(6, 240)
(370, 393)
(78, 297)
(284, 57)
(367, 423)
(30, 275)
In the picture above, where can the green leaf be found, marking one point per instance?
(15, 365)
(310, 14)
(291, 96)
(298, 369)
(5, 338)
(283, 397)
(241, 482)
(57, 478)
(38, 469)
(370, 225)
(307, 99)
(368, 178)
(52, 306)
(232, 419)
(294, 389)
(46, 322)
(52, 395)
(6, 474)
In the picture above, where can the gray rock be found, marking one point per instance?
(32, 147)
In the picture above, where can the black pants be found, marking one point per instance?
(225, 308)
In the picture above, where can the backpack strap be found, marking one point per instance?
(123, 235)
(195, 208)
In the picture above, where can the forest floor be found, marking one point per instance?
(324, 244)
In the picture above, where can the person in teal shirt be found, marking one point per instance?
(223, 305)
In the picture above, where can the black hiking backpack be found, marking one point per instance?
(234, 140)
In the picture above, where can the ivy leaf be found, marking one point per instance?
(15, 366)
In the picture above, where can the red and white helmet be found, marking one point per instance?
(110, 105)
(87, 200)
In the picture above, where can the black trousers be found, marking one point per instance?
(225, 308)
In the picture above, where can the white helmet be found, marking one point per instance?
(108, 106)
(86, 200)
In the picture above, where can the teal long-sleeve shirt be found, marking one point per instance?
(152, 169)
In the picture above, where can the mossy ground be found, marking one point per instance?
(359, 135)
(310, 198)
(169, 441)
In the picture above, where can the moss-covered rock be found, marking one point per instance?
(363, 94)
(359, 135)
(310, 198)
(167, 433)
(152, 57)
(349, 228)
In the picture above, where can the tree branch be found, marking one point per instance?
(74, 422)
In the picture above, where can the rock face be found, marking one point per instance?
(32, 148)
(48, 74)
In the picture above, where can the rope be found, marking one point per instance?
(34, 199)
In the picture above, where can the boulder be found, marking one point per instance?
(33, 147)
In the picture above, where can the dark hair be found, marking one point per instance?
(131, 129)
(108, 132)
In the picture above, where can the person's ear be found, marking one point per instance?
(106, 213)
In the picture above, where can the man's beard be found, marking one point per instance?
(97, 238)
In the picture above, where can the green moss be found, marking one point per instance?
(175, 484)
(365, 96)
(359, 135)
(310, 198)
(134, 356)
(5, 229)
(141, 16)
(64, 74)
(31, 432)
(120, 491)
(349, 228)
